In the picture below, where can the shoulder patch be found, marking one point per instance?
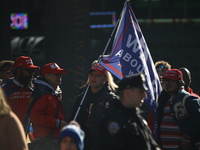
(113, 127)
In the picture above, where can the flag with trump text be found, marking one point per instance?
(130, 55)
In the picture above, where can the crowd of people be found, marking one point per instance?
(106, 114)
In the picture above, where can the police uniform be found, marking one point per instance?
(124, 128)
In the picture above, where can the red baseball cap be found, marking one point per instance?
(173, 74)
(25, 62)
(98, 68)
(52, 68)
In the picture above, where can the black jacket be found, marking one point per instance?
(125, 129)
(91, 112)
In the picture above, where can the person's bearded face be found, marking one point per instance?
(25, 79)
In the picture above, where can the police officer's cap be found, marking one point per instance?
(130, 81)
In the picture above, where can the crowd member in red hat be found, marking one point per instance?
(179, 128)
(19, 88)
(94, 103)
(46, 109)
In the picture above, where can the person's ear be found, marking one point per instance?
(46, 76)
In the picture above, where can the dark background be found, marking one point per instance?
(59, 32)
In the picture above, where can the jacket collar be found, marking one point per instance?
(40, 82)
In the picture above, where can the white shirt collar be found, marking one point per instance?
(17, 83)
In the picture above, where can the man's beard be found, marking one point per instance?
(25, 80)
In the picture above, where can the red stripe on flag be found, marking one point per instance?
(111, 67)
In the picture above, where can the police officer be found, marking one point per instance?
(123, 127)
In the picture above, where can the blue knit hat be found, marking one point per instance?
(74, 132)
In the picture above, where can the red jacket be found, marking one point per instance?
(47, 112)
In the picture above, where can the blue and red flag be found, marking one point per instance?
(130, 55)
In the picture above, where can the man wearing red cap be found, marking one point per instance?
(18, 89)
(46, 109)
(180, 123)
(94, 103)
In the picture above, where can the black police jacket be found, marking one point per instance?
(125, 129)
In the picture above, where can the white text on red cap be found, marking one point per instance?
(29, 61)
(53, 66)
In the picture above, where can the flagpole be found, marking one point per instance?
(99, 62)
(111, 36)
(81, 102)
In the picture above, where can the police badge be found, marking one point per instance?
(113, 127)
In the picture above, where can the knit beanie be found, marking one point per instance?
(74, 132)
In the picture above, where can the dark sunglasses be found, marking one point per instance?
(161, 67)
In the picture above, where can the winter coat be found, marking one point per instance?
(91, 112)
(185, 109)
(125, 129)
(47, 112)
